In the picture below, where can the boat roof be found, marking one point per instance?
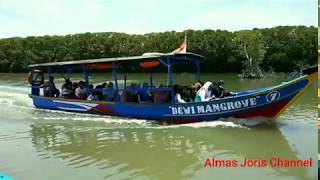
(145, 57)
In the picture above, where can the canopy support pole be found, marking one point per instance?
(151, 79)
(114, 77)
(86, 77)
(69, 72)
(49, 75)
(197, 71)
(164, 63)
(170, 80)
(125, 77)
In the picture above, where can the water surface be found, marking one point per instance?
(42, 144)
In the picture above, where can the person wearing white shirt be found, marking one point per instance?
(205, 93)
(177, 97)
(80, 92)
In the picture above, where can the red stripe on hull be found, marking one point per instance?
(102, 109)
(269, 111)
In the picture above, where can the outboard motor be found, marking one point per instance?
(36, 79)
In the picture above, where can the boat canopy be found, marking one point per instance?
(146, 57)
(147, 61)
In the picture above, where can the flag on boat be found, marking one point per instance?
(183, 46)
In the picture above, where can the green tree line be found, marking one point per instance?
(282, 48)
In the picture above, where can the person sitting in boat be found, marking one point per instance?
(99, 89)
(219, 90)
(49, 88)
(67, 90)
(205, 93)
(161, 95)
(177, 91)
(188, 93)
(93, 96)
(75, 85)
(143, 93)
(196, 88)
(80, 92)
(131, 94)
(109, 93)
(90, 87)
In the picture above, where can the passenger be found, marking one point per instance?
(177, 92)
(80, 92)
(123, 95)
(89, 90)
(188, 93)
(132, 94)
(49, 88)
(67, 90)
(103, 85)
(99, 89)
(205, 93)
(195, 89)
(143, 93)
(93, 96)
(219, 91)
(75, 85)
(161, 95)
(197, 86)
(109, 93)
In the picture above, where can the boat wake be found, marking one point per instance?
(212, 124)
(15, 96)
(227, 123)
(61, 116)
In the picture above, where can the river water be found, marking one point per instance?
(41, 144)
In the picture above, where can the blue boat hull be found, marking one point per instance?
(266, 103)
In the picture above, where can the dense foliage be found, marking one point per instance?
(283, 48)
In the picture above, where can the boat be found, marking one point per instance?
(266, 103)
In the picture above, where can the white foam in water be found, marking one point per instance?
(106, 119)
(15, 89)
(73, 116)
(15, 96)
(252, 121)
(221, 124)
(211, 124)
(225, 123)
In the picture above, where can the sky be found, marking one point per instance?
(59, 17)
